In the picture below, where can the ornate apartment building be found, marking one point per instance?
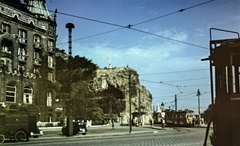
(27, 55)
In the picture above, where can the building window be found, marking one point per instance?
(50, 46)
(6, 46)
(11, 92)
(50, 61)
(5, 28)
(27, 95)
(50, 76)
(51, 30)
(22, 34)
(37, 41)
(22, 54)
(49, 99)
(36, 58)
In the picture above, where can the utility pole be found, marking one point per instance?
(139, 108)
(175, 102)
(130, 103)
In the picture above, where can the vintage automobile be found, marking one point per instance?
(19, 126)
(78, 128)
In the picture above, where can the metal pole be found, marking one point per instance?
(130, 108)
(139, 109)
(70, 26)
(175, 102)
(198, 94)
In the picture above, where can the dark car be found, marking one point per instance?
(78, 128)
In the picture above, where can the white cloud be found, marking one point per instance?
(159, 54)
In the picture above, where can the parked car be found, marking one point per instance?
(37, 133)
(78, 128)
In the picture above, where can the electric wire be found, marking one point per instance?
(130, 26)
(181, 10)
(93, 35)
(174, 72)
(122, 26)
(89, 19)
(187, 80)
(168, 38)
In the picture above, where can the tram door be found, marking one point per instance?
(225, 62)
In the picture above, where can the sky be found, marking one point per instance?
(163, 40)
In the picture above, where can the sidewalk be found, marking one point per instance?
(54, 133)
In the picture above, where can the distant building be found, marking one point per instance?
(27, 55)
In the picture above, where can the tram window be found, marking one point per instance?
(236, 77)
(235, 74)
(226, 72)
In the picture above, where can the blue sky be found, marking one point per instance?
(166, 67)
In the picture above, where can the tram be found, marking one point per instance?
(225, 90)
(176, 118)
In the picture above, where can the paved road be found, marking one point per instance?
(140, 136)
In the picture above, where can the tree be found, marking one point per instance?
(111, 101)
(73, 74)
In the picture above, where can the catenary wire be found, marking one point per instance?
(181, 10)
(183, 42)
(130, 26)
(174, 72)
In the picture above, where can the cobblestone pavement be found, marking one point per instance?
(173, 137)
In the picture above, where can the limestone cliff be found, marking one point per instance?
(123, 79)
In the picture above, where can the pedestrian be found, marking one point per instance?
(112, 124)
(151, 122)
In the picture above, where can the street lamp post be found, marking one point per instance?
(163, 115)
(199, 112)
(70, 26)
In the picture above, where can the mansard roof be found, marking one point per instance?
(38, 8)
(34, 7)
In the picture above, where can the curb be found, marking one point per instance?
(110, 135)
(153, 129)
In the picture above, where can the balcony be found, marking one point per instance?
(37, 61)
(22, 58)
(51, 65)
(6, 54)
(51, 50)
(37, 45)
(22, 40)
(51, 33)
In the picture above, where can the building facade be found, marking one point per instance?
(27, 55)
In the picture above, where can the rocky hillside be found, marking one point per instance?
(121, 80)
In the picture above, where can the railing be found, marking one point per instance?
(22, 58)
(22, 40)
(37, 61)
(37, 45)
(6, 54)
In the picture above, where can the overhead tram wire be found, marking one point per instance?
(173, 72)
(161, 82)
(187, 80)
(89, 19)
(117, 25)
(168, 38)
(181, 10)
(102, 33)
(130, 26)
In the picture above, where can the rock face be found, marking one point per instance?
(125, 80)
